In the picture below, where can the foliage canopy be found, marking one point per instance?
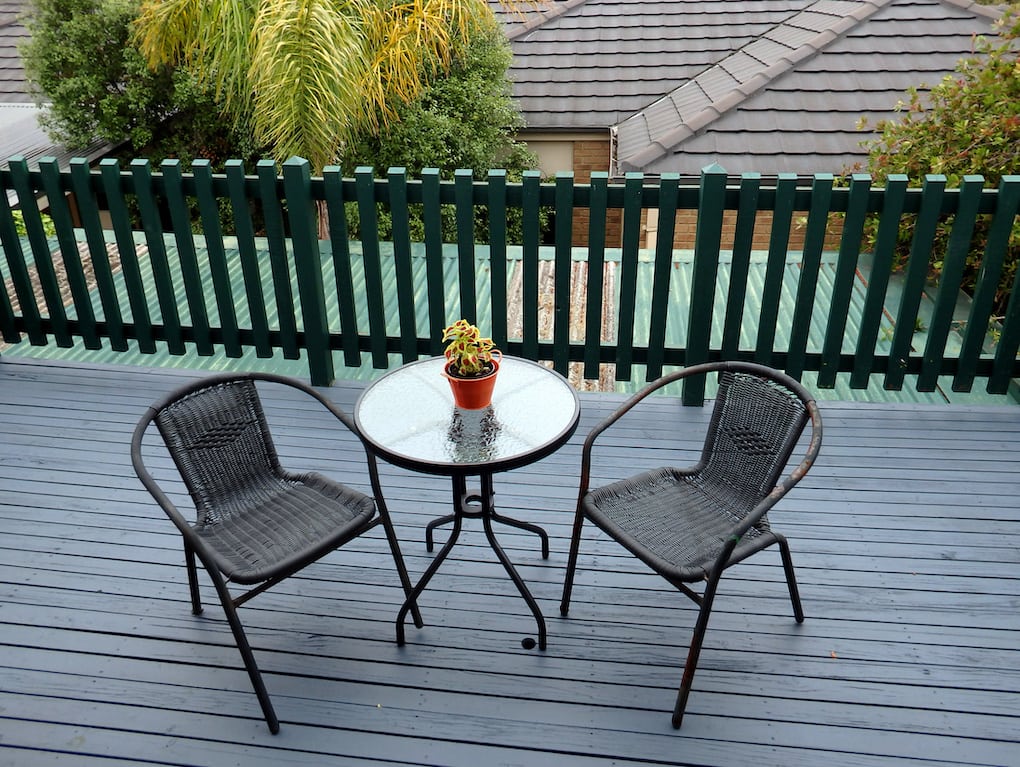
(967, 124)
(304, 78)
(97, 86)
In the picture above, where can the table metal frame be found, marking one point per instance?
(476, 505)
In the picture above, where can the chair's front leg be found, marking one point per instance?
(722, 558)
(246, 654)
(391, 536)
(694, 652)
(575, 545)
(791, 579)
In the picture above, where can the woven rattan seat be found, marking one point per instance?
(691, 524)
(255, 523)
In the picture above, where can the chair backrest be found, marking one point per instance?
(219, 439)
(755, 425)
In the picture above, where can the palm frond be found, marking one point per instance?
(306, 66)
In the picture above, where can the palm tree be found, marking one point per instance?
(305, 76)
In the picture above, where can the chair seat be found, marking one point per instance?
(289, 520)
(674, 521)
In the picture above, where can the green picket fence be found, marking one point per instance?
(268, 282)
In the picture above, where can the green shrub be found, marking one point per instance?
(967, 124)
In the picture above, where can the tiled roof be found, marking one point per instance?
(13, 85)
(20, 131)
(753, 86)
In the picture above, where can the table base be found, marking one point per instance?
(480, 505)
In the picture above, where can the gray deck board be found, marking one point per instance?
(906, 539)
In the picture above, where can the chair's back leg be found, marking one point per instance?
(791, 579)
(196, 596)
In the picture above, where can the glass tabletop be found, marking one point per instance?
(409, 418)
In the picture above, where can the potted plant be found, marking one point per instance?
(472, 362)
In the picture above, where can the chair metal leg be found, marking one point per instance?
(246, 654)
(575, 545)
(791, 579)
(196, 596)
(405, 580)
(391, 536)
(695, 651)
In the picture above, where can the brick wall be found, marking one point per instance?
(592, 155)
(686, 227)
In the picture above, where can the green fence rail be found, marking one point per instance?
(201, 261)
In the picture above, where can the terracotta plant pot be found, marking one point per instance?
(472, 393)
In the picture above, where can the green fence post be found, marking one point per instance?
(84, 186)
(633, 195)
(212, 232)
(42, 257)
(561, 271)
(928, 216)
(55, 187)
(166, 292)
(707, 243)
(191, 273)
(464, 213)
(434, 261)
(659, 311)
(403, 271)
(997, 243)
(531, 193)
(21, 280)
(950, 279)
(297, 187)
(129, 262)
(498, 255)
(878, 282)
(374, 293)
(846, 274)
(270, 193)
(740, 264)
(594, 295)
(811, 259)
(251, 268)
(343, 275)
(775, 268)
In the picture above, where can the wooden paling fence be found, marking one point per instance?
(237, 261)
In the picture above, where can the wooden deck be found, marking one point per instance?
(906, 538)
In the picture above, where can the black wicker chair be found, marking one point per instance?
(691, 524)
(256, 523)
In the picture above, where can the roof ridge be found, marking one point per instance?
(991, 11)
(538, 17)
(716, 90)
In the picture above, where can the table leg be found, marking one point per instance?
(478, 505)
(412, 599)
(519, 582)
(433, 525)
(463, 498)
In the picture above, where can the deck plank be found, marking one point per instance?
(906, 539)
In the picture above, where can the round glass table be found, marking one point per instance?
(408, 418)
